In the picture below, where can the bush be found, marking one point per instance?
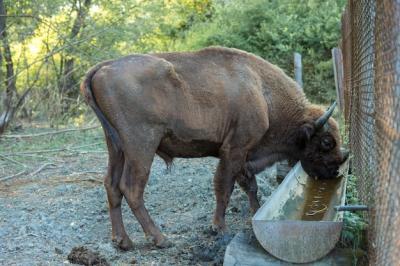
(274, 29)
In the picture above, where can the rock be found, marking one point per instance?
(202, 253)
(244, 249)
(234, 209)
(58, 251)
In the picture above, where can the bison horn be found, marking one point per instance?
(320, 122)
(345, 153)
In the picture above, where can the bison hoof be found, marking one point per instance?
(219, 228)
(165, 243)
(254, 207)
(160, 242)
(210, 231)
(123, 243)
(223, 239)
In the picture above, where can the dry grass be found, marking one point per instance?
(41, 150)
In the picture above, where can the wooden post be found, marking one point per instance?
(338, 72)
(298, 69)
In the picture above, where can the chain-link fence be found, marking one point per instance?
(371, 61)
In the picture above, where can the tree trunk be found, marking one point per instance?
(10, 81)
(68, 79)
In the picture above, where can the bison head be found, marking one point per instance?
(319, 142)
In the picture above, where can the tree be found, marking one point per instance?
(46, 46)
(274, 29)
(11, 99)
(68, 80)
(10, 92)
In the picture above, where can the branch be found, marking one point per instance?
(34, 152)
(89, 178)
(49, 133)
(52, 150)
(12, 176)
(86, 172)
(24, 171)
(11, 160)
(18, 16)
(41, 168)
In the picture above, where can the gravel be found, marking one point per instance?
(43, 218)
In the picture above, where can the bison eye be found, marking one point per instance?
(327, 143)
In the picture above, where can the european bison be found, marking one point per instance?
(217, 102)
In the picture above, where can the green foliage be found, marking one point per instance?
(274, 29)
(354, 231)
(41, 39)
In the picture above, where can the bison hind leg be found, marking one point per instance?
(114, 195)
(139, 154)
(133, 182)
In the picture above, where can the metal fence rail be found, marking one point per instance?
(371, 61)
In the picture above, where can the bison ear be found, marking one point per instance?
(304, 134)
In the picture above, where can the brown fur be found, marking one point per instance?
(214, 102)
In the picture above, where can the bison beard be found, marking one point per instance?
(214, 102)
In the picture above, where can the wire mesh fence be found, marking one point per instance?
(371, 60)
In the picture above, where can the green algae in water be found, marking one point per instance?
(318, 195)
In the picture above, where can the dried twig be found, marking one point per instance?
(34, 152)
(12, 176)
(41, 168)
(13, 161)
(86, 152)
(50, 133)
(91, 122)
(84, 146)
(88, 178)
(51, 151)
(31, 155)
(86, 172)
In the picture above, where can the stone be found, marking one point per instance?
(245, 250)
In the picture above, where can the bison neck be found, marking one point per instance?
(278, 142)
(266, 155)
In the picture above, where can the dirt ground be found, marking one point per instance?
(53, 200)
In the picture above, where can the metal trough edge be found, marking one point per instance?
(296, 240)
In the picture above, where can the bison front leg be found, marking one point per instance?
(247, 181)
(230, 165)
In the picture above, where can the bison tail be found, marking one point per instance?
(86, 90)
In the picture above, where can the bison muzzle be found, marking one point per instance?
(216, 102)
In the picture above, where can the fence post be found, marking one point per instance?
(298, 69)
(338, 72)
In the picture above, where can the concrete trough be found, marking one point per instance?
(299, 223)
